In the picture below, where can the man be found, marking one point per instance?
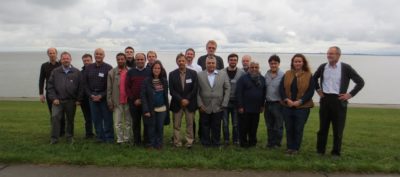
(85, 107)
(151, 58)
(117, 99)
(246, 59)
(211, 47)
(183, 89)
(273, 109)
(234, 73)
(189, 55)
(65, 93)
(334, 77)
(96, 87)
(250, 90)
(45, 71)
(134, 82)
(213, 97)
(130, 59)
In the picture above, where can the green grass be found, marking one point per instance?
(371, 144)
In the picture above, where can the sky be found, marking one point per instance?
(307, 26)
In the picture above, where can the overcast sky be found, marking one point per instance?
(357, 26)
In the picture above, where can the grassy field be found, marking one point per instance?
(371, 144)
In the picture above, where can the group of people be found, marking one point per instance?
(120, 99)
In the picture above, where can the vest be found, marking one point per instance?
(303, 82)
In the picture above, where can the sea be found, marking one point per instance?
(19, 71)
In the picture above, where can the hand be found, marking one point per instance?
(202, 108)
(147, 114)
(184, 102)
(289, 102)
(345, 96)
(42, 98)
(296, 103)
(320, 93)
(95, 98)
(137, 102)
(241, 110)
(56, 102)
(111, 107)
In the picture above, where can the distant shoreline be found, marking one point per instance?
(353, 105)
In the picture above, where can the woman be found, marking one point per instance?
(154, 96)
(296, 90)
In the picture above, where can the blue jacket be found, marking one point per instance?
(250, 96)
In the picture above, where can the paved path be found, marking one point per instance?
(93, 171)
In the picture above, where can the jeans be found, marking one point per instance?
(274, 123)
(155, 128)
(295, 119)
(102, 120)
(68, 108)
(225, 124)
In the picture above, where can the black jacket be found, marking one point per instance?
(202, 62)
(189, 92)
(147, 95)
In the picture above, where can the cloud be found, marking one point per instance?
(259, 26)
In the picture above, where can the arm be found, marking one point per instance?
(309, 93)
(195, 83)
(173, 92)
(282, 89)
(110, 89)
(143, 96)
(357, 79)
(227, 91)
(52, 93)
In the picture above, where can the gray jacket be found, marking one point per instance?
(217, 97)
(65, 86)
(239, 73)
(113, 80)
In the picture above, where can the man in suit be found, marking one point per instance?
(334, 79)
(183, 89)
(213, 98)
(211, 47)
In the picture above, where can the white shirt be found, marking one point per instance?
(195, 67)
(332, 77)
(211, 77)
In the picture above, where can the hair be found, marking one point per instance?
(254, 63)
(141, 54)
(129, 47)
(163, 73)
(151, 52)
(190, 49)
(87, 55)
(210, 57)
(306, 67)
(120, 54)
(51, 48)
(65, 53)
(211, 42)
(179, 56)
(233, 55)
(274, 58)
(339, 51)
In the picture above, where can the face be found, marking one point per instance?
(274, 65)
(245, 61)
(52, 53)
(298, 63)
(121, 60)
(181, 62)
(211, 64)
(232, 62)
(332, 55)
(254, 69)
(87, 61)
(65, 60)
(129, 53)
(99, 55)
(211, 48)
(156, 70)
(140, 60)
(189, 56)
(151, 57)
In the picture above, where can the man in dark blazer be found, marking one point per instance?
(183, 89)
(213, 98)
(334, 78)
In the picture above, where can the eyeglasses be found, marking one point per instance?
(211, 48)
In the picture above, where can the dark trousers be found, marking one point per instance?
(68, 108)
(85, 107)
(155, 128)
(211, 129)
(231, 110)
(102, 120)
(137, 115)
(331, 110)
(49, 106)
(295, 119)
(274, 122)
(248, 129)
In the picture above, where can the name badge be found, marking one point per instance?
(101, 74)
(188, 81)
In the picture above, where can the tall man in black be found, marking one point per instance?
(45, 71)
(211, 47)
(334, 78)
(87, 59)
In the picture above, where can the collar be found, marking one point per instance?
(215, 72)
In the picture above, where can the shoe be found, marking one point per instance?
(70, 140)
(53, 141)
(291, 152)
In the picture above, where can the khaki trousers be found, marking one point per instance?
(189, 127)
